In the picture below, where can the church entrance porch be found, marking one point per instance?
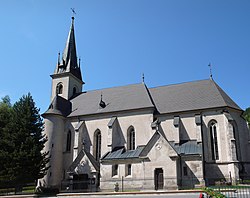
(158, 178)
(80, 182)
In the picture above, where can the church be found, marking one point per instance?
(135, 137)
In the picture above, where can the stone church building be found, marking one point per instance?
(167, 137)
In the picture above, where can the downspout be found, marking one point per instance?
(203, 151)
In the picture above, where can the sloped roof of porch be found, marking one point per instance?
(191, 147)
(120, 153)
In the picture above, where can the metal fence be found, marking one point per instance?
(129, 184)
(233, 191)
(11, 189)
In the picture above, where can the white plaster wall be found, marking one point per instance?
(223, 146)
(68, 83)
(187, 127)
(159, 158)
(54, 130)
(65, 81)
(74, 82)
(141, 123)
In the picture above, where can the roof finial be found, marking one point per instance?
(58, 61)
(211, 75)
(143, 78)
(102, 104)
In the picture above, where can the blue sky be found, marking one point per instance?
(170, 41)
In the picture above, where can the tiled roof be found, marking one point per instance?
(195, 95)
(59, 106)
(116, 99)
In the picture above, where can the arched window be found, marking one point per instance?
(214, 140)
(68, 144)
(59, 88)
(97, 144)
(234, 142)
(131, 138)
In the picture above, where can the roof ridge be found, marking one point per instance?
(112, 87)
(174, 84)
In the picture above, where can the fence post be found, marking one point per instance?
(122, 183)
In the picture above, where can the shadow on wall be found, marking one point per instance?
(214, 174)
(86, 141)
(188, 178)
(183, 134)
(118, 138)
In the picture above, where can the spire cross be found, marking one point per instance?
(210, 66)
(73, 12)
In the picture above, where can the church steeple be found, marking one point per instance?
(69, 62)
(67, 77)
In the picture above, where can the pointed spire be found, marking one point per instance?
(69, 53)
(69, 61)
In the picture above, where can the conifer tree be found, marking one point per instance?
(6, 145)
(27, 162)
(246, 115)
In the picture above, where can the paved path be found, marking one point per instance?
(179, 195)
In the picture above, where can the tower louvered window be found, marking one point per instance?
(59, 88)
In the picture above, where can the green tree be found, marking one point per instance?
(28, 163)
(6, 146)
(246, 115)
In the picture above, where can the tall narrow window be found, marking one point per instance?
(68, 144)
(128, 170)
(214, 141)
(59, 88)
(131, 139)
(114, 170)
(97, 145)
(234, 144)
(185, 171)
(74, 90)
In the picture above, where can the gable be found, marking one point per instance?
(84, 163)
(158, 142)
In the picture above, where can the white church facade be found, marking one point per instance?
(168, 137)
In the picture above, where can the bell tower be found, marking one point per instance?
(67, 77)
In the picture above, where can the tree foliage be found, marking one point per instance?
(22, 141)
(6, 145)
(246, 115)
